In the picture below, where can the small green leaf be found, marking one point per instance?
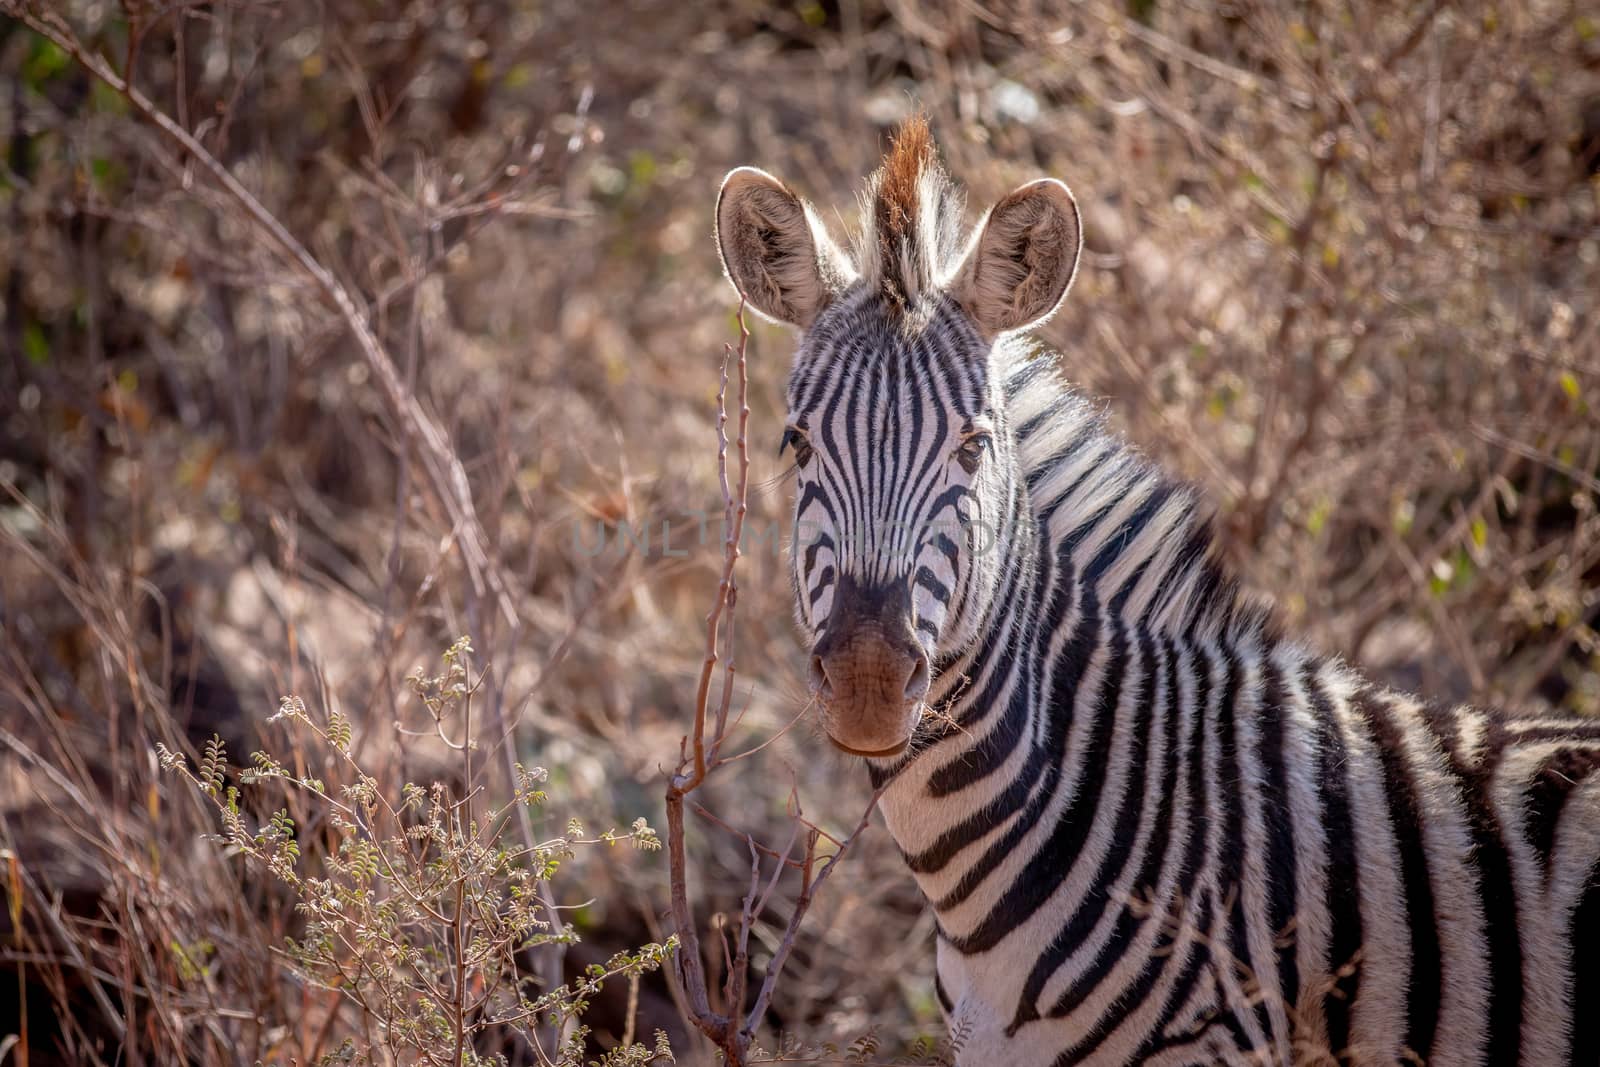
(35, 345)
(1319, 516)
(1480, 533)
(43, 63)
(1569, 385)
(642, 169)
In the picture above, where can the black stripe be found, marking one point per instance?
(1199, 963)
(880, 413)
(1388, 736)
(1499, 899)
(1445, 723)
(929, 581)
(1210, 588)
(935, 366)
(1068, 495)
(947, 499)
(1557, 731)
(1232, 865)
(1087, 916)
(1196, 545)
(811, 493)
(848, 455)
(1585, 999)
(1281, 865)
(1344, 876)
(824, 582)
(1117, 543)
(1545, 798)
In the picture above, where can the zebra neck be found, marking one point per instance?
(1117, 572)
(978, 677)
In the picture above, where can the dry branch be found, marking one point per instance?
(733, 1029)
(448, 477)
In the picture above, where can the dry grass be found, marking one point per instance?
(1343, 265)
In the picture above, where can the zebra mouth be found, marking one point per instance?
(882, 753)
(869, 683)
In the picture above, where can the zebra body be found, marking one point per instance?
(1383, 876)
(1152, 830)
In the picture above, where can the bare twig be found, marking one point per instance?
(733, 1029)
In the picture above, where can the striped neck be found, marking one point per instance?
(1110, 559)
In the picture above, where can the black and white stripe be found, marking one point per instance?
(877, 503)
(1158, 832)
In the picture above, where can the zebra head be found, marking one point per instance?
(908, 490)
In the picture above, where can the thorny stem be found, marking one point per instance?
(458, 922)
(734, 1031)
(734, 508)
(691, 971)
(734, 522)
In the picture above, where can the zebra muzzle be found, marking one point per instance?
(870, 688)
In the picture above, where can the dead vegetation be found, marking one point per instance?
(332, 334)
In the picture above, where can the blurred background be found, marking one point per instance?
(1342, 269)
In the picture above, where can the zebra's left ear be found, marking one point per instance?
(1017, 270)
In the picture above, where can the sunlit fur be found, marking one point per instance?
(1151, 829)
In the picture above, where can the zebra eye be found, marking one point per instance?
(802, 447)
(972, 450)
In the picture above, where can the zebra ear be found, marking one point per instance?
(776, 251)
(1019, 267)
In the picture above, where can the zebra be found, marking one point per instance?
(1152, 828)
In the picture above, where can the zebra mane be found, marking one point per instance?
(1186, 585)
(910, 230)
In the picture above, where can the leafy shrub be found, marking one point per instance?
(421, 908)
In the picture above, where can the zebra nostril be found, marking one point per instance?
(819, 678)
(917, 684)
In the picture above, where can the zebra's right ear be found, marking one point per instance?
(776, 251)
